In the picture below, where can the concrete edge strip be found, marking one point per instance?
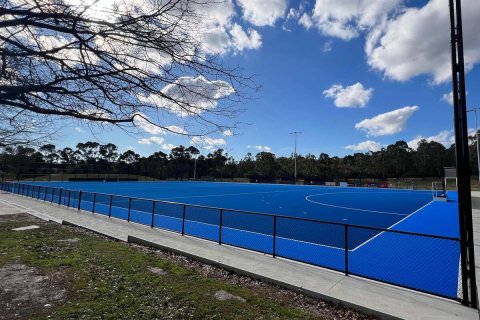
(68, 223)
(33, 212)
(301, 290)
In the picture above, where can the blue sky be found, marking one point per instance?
(351, 75)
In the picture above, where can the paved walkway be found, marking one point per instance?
(384, 301)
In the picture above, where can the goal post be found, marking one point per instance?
(438, 190)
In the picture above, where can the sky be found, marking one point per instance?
(351, 76)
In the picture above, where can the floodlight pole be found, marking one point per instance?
(195, 169)
(476, 138)
(295, 155)
(469, 286)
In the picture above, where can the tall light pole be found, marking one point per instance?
(296, 133)
(474, 110)
(195, 169)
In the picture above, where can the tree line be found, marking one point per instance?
(397, 160)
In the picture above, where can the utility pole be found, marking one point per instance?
(296, 133)
(469, 286)
(476, 138)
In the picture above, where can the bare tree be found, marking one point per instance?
(128, 63)
(19, 127)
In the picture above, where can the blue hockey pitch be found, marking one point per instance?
(423, 263)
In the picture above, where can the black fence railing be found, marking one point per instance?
(422, 262)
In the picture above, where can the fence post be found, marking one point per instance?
(153, 213)
(53, 193)
(110, 207)
(183, 220)
(346, 249)
(129, 208)
(60, 196)
(69, 194)
(220, 227)
(94, 201)
(274, 236)
(79, 199)
(45, 195)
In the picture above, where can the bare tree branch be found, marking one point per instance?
(109, 65)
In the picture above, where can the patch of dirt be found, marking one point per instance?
(223, 295)
(26, 291)
(158, 271)
(73, 240)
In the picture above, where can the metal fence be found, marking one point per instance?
(426, 263)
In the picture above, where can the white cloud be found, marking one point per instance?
(417, 41)
(387, 123)
(349, 97)
(228, 133)
(168, 146)
(306, 21)
(175, 129)
(365, 146)
(445, 137)
(79, 130)
(157, 140)
(401, 42)
(142, 122)
(327, 46)
(218, 31)
(208, 143)
(261, 148)
(347, 18)
(192, 96)
(150, 140)
(263, 12)
(245, 40)
(448, 98)
(293, 14)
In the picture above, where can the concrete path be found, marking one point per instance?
(384, 301)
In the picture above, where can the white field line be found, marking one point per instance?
(267, 192)
(233, 194)
(350, 208)
(393, 225)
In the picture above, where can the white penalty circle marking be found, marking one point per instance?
(349, 208)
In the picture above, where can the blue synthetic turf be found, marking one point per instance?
(418, 262)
